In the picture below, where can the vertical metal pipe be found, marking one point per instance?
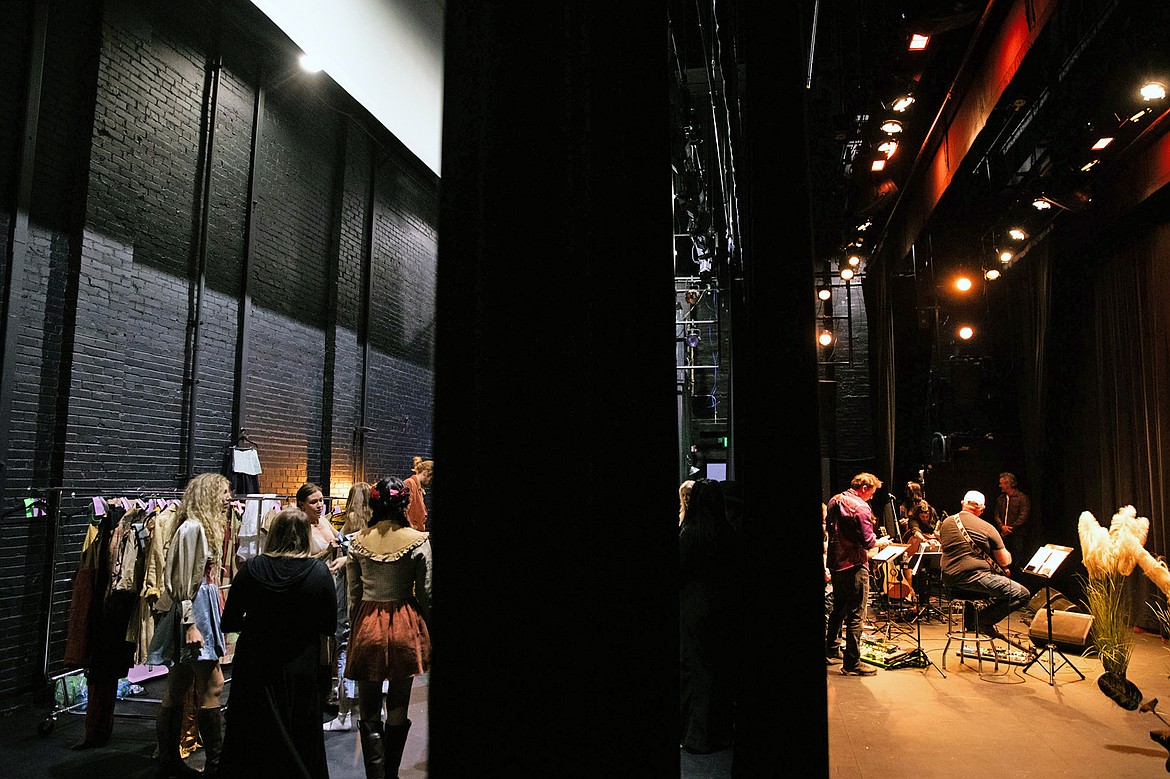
(200, 274)
(244, 328)
(364, 324)
(18, 234)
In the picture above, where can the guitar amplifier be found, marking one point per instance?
(1068, 627)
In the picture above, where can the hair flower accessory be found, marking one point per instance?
(375, 493)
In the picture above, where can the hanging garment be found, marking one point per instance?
(89, 586)
(244, 470)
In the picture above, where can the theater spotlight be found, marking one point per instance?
(1153, 90)
(991, 274)
(825, 338)
(966, 332)
(824, 293)
(847, 273)
(963, 284)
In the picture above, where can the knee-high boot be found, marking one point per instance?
(395, 743)
(373, 748)
(168, 727)
(211, 730)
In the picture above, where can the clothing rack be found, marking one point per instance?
(52, 506)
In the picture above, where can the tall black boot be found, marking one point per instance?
(211, 731)
(373, 748)
(395, 743)
(168, 728)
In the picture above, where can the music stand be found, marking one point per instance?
(1043, 564)
(886, 556)
(927, 610)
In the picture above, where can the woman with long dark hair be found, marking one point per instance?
(389, 578)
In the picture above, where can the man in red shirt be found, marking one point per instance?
(851, 543)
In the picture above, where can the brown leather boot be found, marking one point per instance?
(168, 726)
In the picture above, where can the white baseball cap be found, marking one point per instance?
(975, 498)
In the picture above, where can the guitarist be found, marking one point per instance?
(921, 532)
(976, 564)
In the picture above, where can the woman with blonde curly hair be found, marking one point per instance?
(188, 638)
(684, 499)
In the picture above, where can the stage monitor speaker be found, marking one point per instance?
(1068, 627)
(1058, 602)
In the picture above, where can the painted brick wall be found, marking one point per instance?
(104, 374)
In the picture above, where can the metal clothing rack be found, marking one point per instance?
(50, 501)
(52, 504)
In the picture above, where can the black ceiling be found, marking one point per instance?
(1077, 81)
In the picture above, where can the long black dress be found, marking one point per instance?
(281, 607)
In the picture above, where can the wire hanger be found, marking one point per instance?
(243, 442)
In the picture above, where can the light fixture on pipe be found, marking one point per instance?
(1153, 90)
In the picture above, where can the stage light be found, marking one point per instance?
(824, 293)
(877, 165)
(918, 42)
(825, 338)
(693, 338)
(1153, 90)
(1016, 234)
(1005, 256)
(1101, 143)
(1041, 204)
(902, 103)
(888, 148)
(1089, 165)
(891, 127)
(847, 273)
(991, 274)
(853, 260)
(963, 284)
(966, 332)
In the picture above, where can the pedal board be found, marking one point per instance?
(1011, 656)
(883, 653)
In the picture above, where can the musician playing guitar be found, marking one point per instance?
(922, 528)
(975, 564)
(921, 533)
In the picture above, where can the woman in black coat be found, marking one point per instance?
(281, 603)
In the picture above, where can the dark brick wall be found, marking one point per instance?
(128, 226)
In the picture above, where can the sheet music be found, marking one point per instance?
(1047, 559)
(890, 552)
